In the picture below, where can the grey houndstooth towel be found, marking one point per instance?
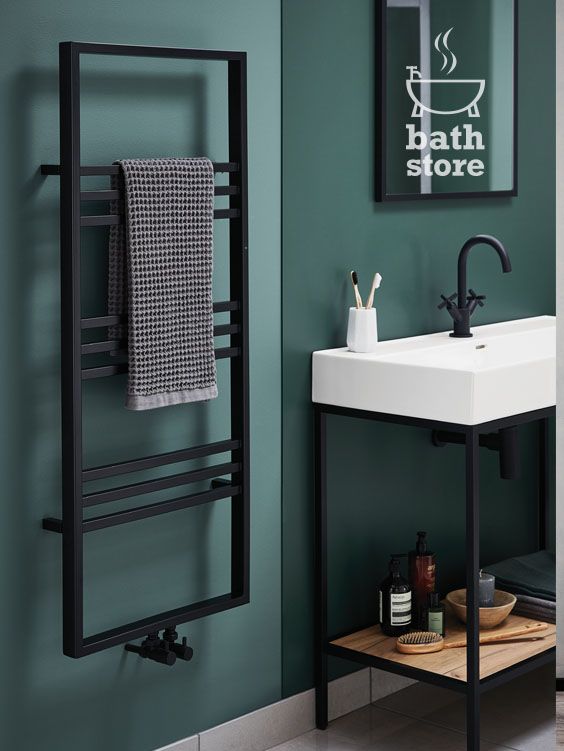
(160, 274)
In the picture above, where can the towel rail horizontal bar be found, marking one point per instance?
(160, 483)
(226, 328)
(114, 169)
(227, 214)
(136, 50)
(103, 371)
(160, 460)
(137, 629)
(52, 524)
(157, 509)
(227, 353)
(100, 195)
(103, 220)
(100, 322)
(111, 220)
(113, 345)
(115, 195)
(226, 306)
(92, 348)
(227, 190)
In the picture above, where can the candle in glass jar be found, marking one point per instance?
(486, 590)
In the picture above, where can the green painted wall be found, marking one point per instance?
(115, 701)
(131, 107)
(387, 482)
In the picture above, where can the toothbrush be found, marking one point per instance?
(375, 284)
(354, 278)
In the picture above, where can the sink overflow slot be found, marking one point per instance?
(481, 346)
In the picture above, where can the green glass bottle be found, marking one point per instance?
(435, 615)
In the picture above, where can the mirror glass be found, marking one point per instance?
(447, 85)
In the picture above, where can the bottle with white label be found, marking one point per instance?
(395, 601)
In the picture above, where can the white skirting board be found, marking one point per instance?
(286, 719)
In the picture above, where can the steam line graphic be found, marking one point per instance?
(443, 38)
(468, 93)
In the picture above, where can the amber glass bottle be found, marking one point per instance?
(422, 578)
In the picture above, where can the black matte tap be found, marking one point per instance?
(468, 300)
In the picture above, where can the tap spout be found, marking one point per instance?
(463, 262)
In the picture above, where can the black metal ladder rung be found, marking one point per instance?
(105, 371)
(93, 348)
(161, 483)
(99, 322)
(160, 460)
(115, 345)
(138, 513)
(114, 169)
(111, 220)
(117, 195)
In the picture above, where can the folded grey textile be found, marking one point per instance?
(536, 614)
(536, 602)
(532, 575)
(160, 275)
(535, 608)
(516, 590)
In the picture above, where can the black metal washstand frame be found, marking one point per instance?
(473, 687)
(73, 525)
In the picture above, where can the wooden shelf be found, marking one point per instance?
(451, 663)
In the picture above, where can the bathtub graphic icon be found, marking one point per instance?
(464, 97)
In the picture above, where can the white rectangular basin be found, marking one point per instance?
(504, 369)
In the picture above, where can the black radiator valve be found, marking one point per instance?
(181, 650)
(164, 651)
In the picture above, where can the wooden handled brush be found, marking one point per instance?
(358, 298)
(425, 642)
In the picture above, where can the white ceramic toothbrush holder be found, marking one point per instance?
(362, 332)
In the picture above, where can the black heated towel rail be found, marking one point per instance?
(76, 498)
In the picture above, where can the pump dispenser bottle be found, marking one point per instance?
(395, 601)
(422, 578)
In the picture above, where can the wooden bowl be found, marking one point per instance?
(504, 602)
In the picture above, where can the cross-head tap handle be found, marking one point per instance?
(447, 302)
(477, 299)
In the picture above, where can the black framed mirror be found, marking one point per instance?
(446, 99)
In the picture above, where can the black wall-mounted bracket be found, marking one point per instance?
(504, 441)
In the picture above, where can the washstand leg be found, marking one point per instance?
(321, 682)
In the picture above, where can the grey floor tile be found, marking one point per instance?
(375, 729)
(388, 731)
(560, 721)
(419, 700)
(367, 725)
(519, 715)
(317, 740)
(384, 683)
